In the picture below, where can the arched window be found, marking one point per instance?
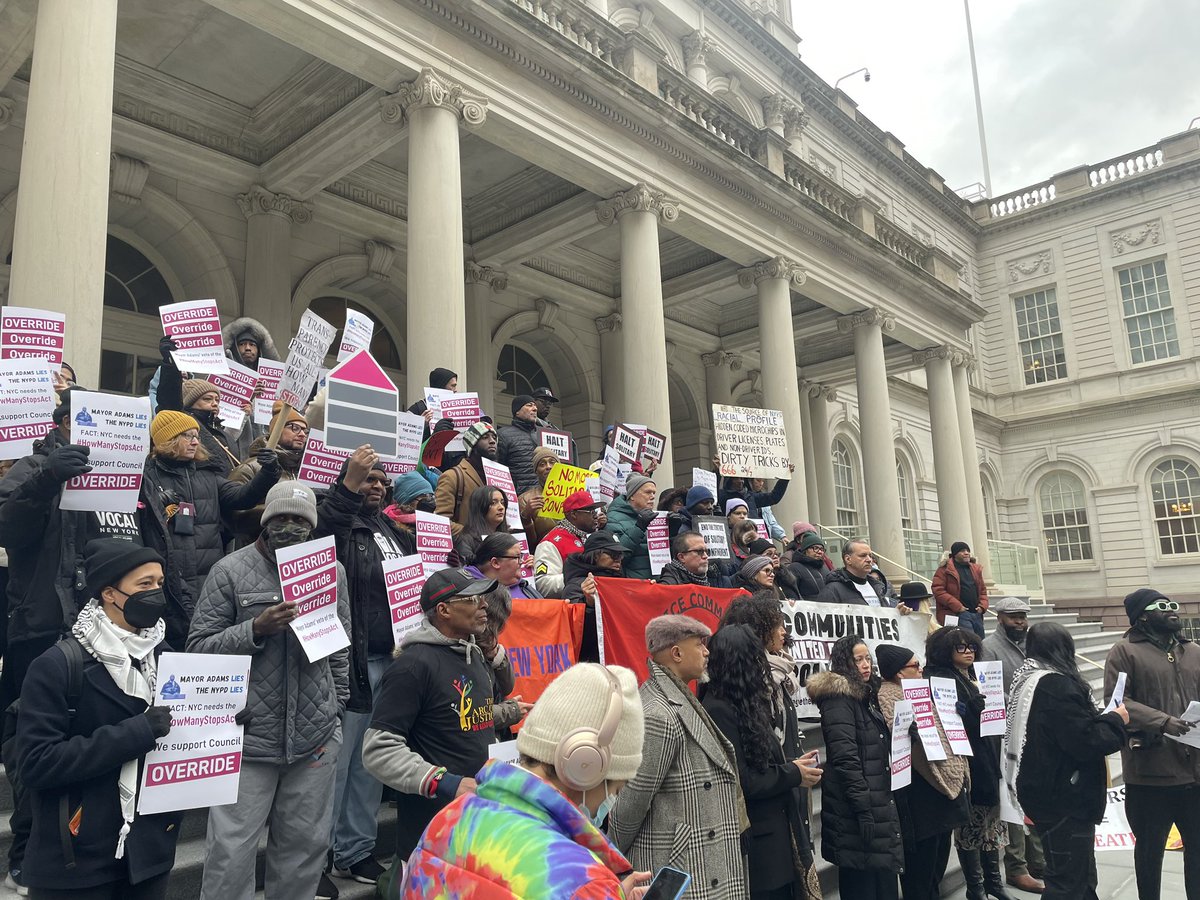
(845, 493)
(1175, 489)
(131, 281)
(333, 311)
(989, 509)
(519, 371)
(904, 486)
(1065, 519)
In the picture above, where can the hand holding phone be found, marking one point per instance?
(668, 884)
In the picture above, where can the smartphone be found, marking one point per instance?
(668, 884)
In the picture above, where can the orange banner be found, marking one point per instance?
(542, 640)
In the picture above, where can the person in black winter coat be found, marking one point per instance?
(808, 566)
(182, 507)
(516, 443)
(860, 826)
(201, 400)
(1060, 772)
(82, 769)
(738, 697)
(603, 556)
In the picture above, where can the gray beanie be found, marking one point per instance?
(635, 482)
(753, 566)
(290, 498)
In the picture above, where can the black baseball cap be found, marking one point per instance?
(544, 393)
(603, 540)
(447, 584)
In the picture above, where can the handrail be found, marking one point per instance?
(841, 537)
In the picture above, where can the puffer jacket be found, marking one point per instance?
(245, 523)
(839, 588)
(221, 455)
(515, 444)
(857, 787)
(622, 524)
(293, 704)
(809, 575)
(189, 557)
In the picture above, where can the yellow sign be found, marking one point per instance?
(563, 481)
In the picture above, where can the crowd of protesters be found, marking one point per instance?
(610, 782)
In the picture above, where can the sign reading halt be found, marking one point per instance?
(362, 407)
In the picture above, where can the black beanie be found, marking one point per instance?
(439, 378)
(958, 547)
(1136, 603)
(892, 659)
(519, 401)
(107, 560)
(759, 546)
(64, 405)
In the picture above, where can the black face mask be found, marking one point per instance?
(285, 534)
(143, 609)
(427, 506)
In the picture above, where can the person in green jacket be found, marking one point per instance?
(628, 519)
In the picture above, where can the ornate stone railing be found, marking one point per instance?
(578, 23)
(813, 184)
(1026, 198)
(900, 243)
(1125, 166)
(706, 110)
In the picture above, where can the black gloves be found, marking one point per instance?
(165, 346)
(269, 460)
(65, 462)
(159, 718)
(244, 716)
(645, 517)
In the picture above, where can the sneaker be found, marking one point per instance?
(326, 889)
(13, 883)
(366, 871)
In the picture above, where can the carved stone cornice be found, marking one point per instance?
(379, 259)
(259, 201)
(695, 48)
(609, 324)
(8, 110)
(430, 89)
(547, 311)
(776, 267)
(127, 178)
(816, 390)
(639, 198)
(763, 7)
(885, 320)
(1146, 233)
(722, 358)
(496, 279)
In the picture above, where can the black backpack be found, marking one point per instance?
(73, 651)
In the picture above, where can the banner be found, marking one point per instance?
(659, 542)
(306, 355)
(542, 639)
(901, 745)
(199, 762)
(916, 691)
(627, 443)
(562, 482)
(434, 541)
(497, 475)
(1114, 833)
(361, 407)
(751, 443)
(992, 720)
(27, 404)
(404, 577)
(705, 478)
(557, 442)
(269, 373)
(237, 390)
(319, 465)
(715, 531)
(945, 699)
(356, 335)
(117, 429)
(32, 334)
(308, 574)
(195, 326)
(815, 627)
(625, 605)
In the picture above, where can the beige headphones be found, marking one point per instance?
(581, 758)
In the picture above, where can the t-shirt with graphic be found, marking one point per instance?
(121, 525)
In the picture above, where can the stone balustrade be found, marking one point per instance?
(706, 110)
(901, 243)
(1125, 166)
(824, 190)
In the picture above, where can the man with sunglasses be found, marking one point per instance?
(1162, 776)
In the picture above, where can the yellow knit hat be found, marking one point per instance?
(170, 424)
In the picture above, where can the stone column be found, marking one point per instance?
(972, 480)
(824, 507)
(434, 106)
(60, 230)
(643, 334)
(875, 427)
(719, 367)
(480, 372)
(777, 350)
(268, 293)
(953, 511)
(695, 57)
(612, 359)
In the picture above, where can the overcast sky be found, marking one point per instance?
(1063, 82)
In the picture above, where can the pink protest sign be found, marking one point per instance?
(434, 541)
(461, 409)
(658, 541)
(308, 576)
(498, 476)
(319, 466)
(237, 390)
(922, 705)
(195, 326)
(32, 334)
(404, 577)
(269, 373)
(362, 406)
(526, 570)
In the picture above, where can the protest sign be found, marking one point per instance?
(195, 326)
(715, 531)
(917, 692)
(526, 558)
(991, 683)
(356, 335)
(410, 428)
(609, 464)
(505, 751)
(404, 577)
(434, 541)
(497, 475)
(705, 478)
(558, 442)
(949, 621)
(945, 698)
(308, 574)
(361, 407)
(319, 465)
(751, 443)
(760, 525)
(542, 639)
(815, 627)
(1113, 832)
(26, 405)
(117, 431)
(627, 442)
(659, 543)
(654, 445)
(902, 718)
(625, 605)
(32, 334)
(306, 354)
(562, 482)
(269, 373)
(624, 470)
(236, 390)
(461, 409)
(199, 762)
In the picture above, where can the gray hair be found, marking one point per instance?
(667, 631)
(847, 548)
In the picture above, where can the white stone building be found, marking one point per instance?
(649, 207)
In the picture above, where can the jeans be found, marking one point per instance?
(971, 620)
(357, 793)
(1070, 849)
(1150, 812)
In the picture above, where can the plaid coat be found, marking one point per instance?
(683, 808)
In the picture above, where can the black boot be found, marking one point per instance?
(973, 873)
(992, 879)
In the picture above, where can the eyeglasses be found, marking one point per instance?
(375, 479)
(912, 665)
(296, 428)
(1163, 606)
(190, 436)
(964, 648)
(506, 556)
(476, 601)
(702, 551)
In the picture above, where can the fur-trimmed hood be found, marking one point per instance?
(266, 346)
(824, 685)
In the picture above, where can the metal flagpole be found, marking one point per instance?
(987, 171)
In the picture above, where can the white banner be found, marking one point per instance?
(269, 373)
(27, 403)
(902, 745)
(356, 335)
(117, 429)
(434, 541)
(195, 326)
(991, 684)
(751, 443)
(404, 577)
(199, 762)
(308, 575)
(945, 698)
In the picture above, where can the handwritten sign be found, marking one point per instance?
(195, 326)
(361, 407)
(434, 541)
(627, 442)
(404, 577)
(557, 442)
(237, 390)
(117, 429)
(306, 354)
(945, 696)
(269, 373)
(356, 335)
(658, 541)
(751, 443)
(917, 692)
(705, 478)
(902, 718)
(26, 405)
(308, 575)
(562, 482)
(32, 334)
(499, 476)
(991, 685)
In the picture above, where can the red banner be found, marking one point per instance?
(627, 604)
(542, 640)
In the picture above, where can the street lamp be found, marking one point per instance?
(866, 76)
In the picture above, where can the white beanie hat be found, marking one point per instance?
(578, 698)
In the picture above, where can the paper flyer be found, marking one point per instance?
(308, 574)
(117, 431)
(195, 326)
